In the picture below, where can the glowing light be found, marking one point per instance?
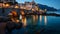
(40, 18)
(20, 17)
(33, 10)
(33, 18)
(14, 13)
(7, 5)
(16, 6)
(21, 7)
(17, 21)
(22, 13)
(3, 5)
(24, 21)
(36, 17)
(45, 20)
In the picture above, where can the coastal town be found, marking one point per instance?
(27, 18)
(12, 14)
(25, 8)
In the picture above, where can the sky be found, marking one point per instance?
(51, 3)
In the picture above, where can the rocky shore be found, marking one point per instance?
(7, 26)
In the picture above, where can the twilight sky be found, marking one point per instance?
(51, 3)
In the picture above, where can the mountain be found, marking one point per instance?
(46, 7)
(58, 9)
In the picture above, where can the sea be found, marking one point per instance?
(38, 24)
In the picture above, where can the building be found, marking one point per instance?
(28, 5)
(5, 1)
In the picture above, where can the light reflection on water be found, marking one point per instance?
(35, 23)
(33, 19)
(40, 18)
(24, 21)
(45, 20)
(52, 23)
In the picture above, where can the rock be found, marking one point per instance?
(2, 28)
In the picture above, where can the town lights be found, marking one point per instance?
(16, 6)
(22, 12)
(33, 10)
(3, 5)
(21, 7)
(7, 5)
